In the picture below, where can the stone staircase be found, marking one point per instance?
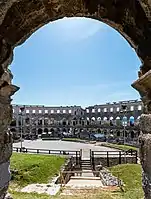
(86, 165)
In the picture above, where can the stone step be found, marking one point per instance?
(84, 178)
(85, 163)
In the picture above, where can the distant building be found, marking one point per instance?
(38, 119)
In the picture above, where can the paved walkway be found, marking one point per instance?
(84, 183)
(87, 179)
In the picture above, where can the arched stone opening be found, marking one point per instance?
(52, 130)
(118, 133)
(105, 120)
(40, 121)
(111, 121)
(46, 130)
(19, 19)
(46, 121)
(118, 121)
(13, 123)
(132, 134)
(40, 131)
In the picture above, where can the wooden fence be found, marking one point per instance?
(119, 157)
(69, 153)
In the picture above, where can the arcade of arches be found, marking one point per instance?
(20, 18)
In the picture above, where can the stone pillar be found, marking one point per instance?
(5, 137)
(6, 91)
(145, 153)
(143, 85)
(43, 123)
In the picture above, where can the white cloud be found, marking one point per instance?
(76, 29)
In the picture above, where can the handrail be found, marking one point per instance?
(47, 151)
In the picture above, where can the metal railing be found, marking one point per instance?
(122, 156)
(48, 151)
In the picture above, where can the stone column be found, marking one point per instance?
(5, 137)
(143, 85)
(6, 91)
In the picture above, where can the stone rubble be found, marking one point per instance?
(109, 179)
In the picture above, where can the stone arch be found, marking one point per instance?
(105, 119)
(118, 133)
(93, 119)
(132, 134)
(40, 131)
(27, 120)
(13, 123)
(52, 130)
(13, 130)
(46, 121)
(46, 130)
(40, 121)
(19, 19)
(111, 118)
(99, 119)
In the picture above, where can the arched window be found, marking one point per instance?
(93, 110)
(118, 121)
(39, 131)
(111, 118)
(99, 119)
(139, 108)
(111, 109)
(105, 110)
(99, 110)
(132, 134)
(93, 118)
(105, 118)
(46, 130)
(132, 108)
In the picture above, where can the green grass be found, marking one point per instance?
(17, 195)
(119, 146)
(103, 195)
(73, 139)
(130, 174)
(40, 169)
(34, 168)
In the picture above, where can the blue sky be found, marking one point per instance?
(74, 61)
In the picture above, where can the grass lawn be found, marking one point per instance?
(131, 176)
(34, 168)
(41, 168)
(73, 139)
(17, 195)
(119, 146)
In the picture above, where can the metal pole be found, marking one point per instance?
(21, 131)
(22, 110)
(124, 137)
(124, 123)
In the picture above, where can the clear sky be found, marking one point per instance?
(74, 61)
